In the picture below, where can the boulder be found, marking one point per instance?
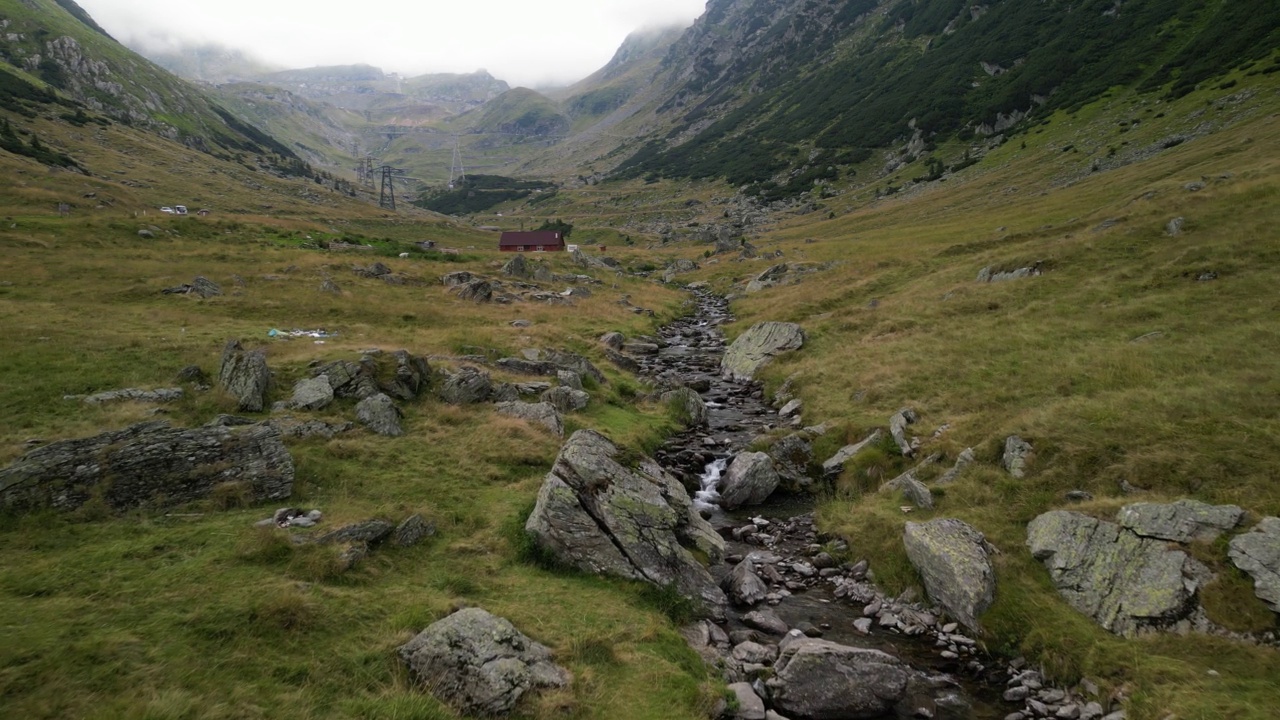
(1017, 456)
(150, 464)
(467, 386)
(821, 679)
(330, 287)
(600, 516)
(566, 399)
(541, 413)
(574, 362)
(454, 279)
(755, 347)
(612, 340)
(518, 267)
(834, 465)
(201, 287)
(1181, 521)
(622, 361)
(749, 480)
(916, 492)
(765, 620)
(159, 395)
(245, 376)
(954, 561)
(792, 456)
(294, 428)
(1257, 552)
(380, 414)
(412, 530)
(523, 366)
(743, 585)
(479, 664)
(963, 460)
(1124, 582)
(692, 409)
(408, 379)
(569, 379)
(898, 429)
(312, 393)
(748, 705)
(366, 532)
(476, 291)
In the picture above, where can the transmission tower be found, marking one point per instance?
(456, 171)
(366, 171)
(387, 193)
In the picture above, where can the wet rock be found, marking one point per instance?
(766, 621)
(312, 393)
(954, 561)
(467, 386)
(1122, 581)
(150, 463)
(380, 414)
(245, 376)
(540, 413)
(743, 586)
(597, 515)
(835, 464)
(749, 706)
(1181, 521)
(757, 346)
(566, 399)
(1018, 454)
(898, 429)
(749, 480)
(1257, 552)
(822, 679)
(479, 664)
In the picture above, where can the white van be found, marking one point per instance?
(179, 209)
(167, 210)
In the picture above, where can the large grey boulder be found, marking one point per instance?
(518, 267)
(150, 464)
(312, 393)
(743, 585)
(823, 680)
(1122, 581)
(540, 413)
(692, 408)
(575, 362)
(479, 291)
(757, 346)
(792, 456)
(749, 706)
(749, 480)
(1181, 521)
(954, 561)
(601, 516)
(479, 663)
(245, 376)
(834, 465)
(407, 379)
(1257, 552)
(380, 414)
(565, 399)
(466, 387)
(916, 492)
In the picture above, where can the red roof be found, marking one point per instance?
(541, 237)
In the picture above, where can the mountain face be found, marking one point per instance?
(800, 77)
(208, 63)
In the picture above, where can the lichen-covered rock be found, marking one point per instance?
(1257, 552)
(380, 414)
(821, 679)
(312, 393)
(692, 408)
(412, 530)
(954, 561)
(479, 663)
(755, 347)
(916, 492)
(834, 465)
(476, 291)
(245, 376)
(898, 429)
(159, 395)
(518, 267)
(1181, 521)
(466, 387)
(149, 464)
(576, 363)
(792, 456)
(1017, 456)
(749, 480)
(541, 413)
(410, 376)
(369, 532)
(963, 460)
(454, 279)
(565, 399)
(569, 379)
(601, 516)
(524, 366)
(613, 340)
(1122, 581)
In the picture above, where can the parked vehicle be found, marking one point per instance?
(179, 209)
(167, 210)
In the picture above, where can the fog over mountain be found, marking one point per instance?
(546, 43)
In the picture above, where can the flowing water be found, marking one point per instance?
(970, 683)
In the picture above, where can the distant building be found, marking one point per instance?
(539, 241)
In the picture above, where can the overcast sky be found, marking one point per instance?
(525, 42)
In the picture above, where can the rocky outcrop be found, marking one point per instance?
(898, 429)
(821, 679)
(518, 267)
(312, 393)
(749, 480)
(834, 465)
(1257, 552)
(597, 515)
(478, 291)
(541, 413)
(791, 457)
(1181, 521)
(1017, 456)
(150, 464)
(677, 267)
(1124, 582)
(400, 374)
(380, 414)
(159, 395)
(467, 386)
(479, 663)
(954, 561)
(565, 399)
(245, 376)
(757, 346)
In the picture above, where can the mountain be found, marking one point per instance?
(208, 63)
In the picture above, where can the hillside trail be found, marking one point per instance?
(802, 595)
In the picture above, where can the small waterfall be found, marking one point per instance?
(707, 498)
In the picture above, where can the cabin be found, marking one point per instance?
(537, 241)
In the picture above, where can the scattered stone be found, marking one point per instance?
(749, 480)
(991, 275)
(380, 414)
(597, 515)
(245, 376)
(821, 679)
(521, 323)
(454, 279)
(565, 399)
(1257, 552)
(1181, 521)
(1079, 495)
(1018, 454)
(898, 429)
(467, 386)
(1174, 227)
(540, 413)
(1122, 581)
(367, 532)
(518, 267)
(479, 663)
(766, 621)
(757, 346)
(954, 561)
(411, 531)
(202, 287)
(194, 375)
(915, 491)
(376, 270)
(312, 394)
(791, 408)
(160, 395)
(291, 427)
(835, 464)
(1194, 186)
(963, 460)
(150, 463)
(749, 706)
(330, 287)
